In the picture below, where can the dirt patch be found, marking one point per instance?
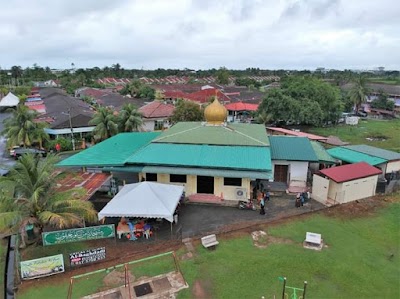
(261, 239)
(200, 289)
(358, 208)
(117, 278)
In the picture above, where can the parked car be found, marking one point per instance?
(12, 150)
(18, 152)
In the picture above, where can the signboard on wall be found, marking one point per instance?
(44, 266)
(78, 234)
(87, 256)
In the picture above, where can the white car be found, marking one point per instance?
(12, 150)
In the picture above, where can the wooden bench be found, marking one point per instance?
(209, 241)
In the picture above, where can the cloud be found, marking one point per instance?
(201, 33)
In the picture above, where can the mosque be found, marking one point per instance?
(214, 160)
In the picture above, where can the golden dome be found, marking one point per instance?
(215, 113)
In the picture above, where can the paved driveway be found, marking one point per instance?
(199, 219)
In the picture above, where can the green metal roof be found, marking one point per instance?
(200, 133)
(374, 151)
(112, 151)
(227, 173)
(321, 153)
(351, 156)
(206, 156)
(292, 149)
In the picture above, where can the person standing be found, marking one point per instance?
(267, 195)
(58, 147)
(262, 205)
(297, 204)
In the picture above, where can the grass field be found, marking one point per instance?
(384, 81)
(361, 261)
(366, 129)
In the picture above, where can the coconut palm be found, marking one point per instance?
(20, 128)
(105, 122)
(39, 134)
(359, 91)
(129, 119)
(28, 196)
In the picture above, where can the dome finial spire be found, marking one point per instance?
(215, 113)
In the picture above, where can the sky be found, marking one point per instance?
(201, 34)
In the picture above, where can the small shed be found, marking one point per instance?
(345, 183)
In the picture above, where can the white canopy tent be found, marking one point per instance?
(10, 100)
(145, 199)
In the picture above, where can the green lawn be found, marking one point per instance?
(384, 81)
(357, 263)
(362, 260)
(366, 128)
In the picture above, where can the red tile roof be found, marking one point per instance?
(203, 96)
(240, 106)
(157, 109)
(175, 94)
(298, 134)
(38, 108)
(91, 182)
(350, 172)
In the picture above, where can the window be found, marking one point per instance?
(158, 125)
(232, 182)
(177, 178)
(151, 177)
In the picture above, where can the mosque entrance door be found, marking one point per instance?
(205, 184)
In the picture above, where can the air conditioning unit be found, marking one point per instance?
(241, 193)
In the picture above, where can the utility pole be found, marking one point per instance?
(72, 130)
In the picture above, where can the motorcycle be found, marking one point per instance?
(247, 205)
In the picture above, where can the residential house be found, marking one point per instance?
(240, 112)
(156, 115)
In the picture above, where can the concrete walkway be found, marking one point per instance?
(197, 220)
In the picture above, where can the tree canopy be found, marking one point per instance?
(129, 119)
(106, 124)
(21, 129)
(304, 100)
(29, 196)
(359, 91)
(187, 111)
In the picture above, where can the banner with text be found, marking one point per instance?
(44, 266)
(87, 256)
(78, 234)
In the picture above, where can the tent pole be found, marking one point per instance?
(171, 230)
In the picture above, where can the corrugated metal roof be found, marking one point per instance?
(207, 156)
(232, 134)
(321, 153)
(374, 151)
(350, 156)
(350, 172)
(292, 149)
(111, 152)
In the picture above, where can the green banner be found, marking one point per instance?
(44, 266)
(78, 234)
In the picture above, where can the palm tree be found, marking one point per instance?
(264, 117)
(130, 119)
(19, 129)
(28, 196)
(39, 134)
(105, 123)
(359, 91)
